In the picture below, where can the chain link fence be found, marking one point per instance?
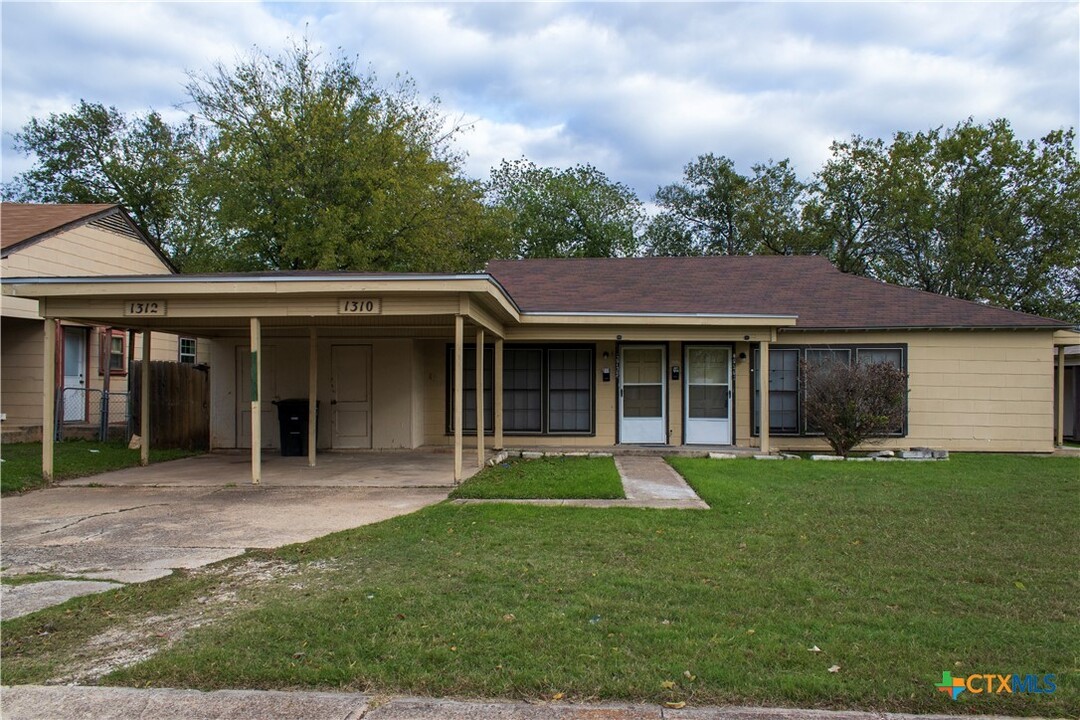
(90, 414)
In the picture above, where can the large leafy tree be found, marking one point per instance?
(574, 212)
(97, 154)
(700, 214)
(313, 164)
(972, 212)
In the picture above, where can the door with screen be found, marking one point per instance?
(707, 411)
(642, 386)
(74, 390)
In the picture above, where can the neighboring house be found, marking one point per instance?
(69, 240)
(586, 352)
(1071, 414)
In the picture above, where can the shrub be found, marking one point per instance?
(855, 403)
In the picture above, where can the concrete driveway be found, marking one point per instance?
(138, 524)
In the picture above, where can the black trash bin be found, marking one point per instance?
(293, 421)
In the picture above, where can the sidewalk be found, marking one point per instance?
(35, 702)
(648, 482)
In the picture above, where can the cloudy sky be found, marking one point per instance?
(636, 89)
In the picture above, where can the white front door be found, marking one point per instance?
(350, 396)
(642, 389)
(707, 410)
(74, 391)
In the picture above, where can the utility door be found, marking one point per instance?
(350, 396)
(74, 391)
(707, 412)
(642, 389)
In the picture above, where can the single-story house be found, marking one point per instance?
(587, 353)
(48, 240)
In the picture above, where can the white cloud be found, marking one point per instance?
(636, 89)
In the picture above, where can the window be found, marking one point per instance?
(523, 390)
(545, 390)
(569, 391)
(188, 350)
(785, 408)
(783, 391)
(113, 352)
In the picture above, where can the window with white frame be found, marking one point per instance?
(188, 350)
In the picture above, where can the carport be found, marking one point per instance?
(254, 310)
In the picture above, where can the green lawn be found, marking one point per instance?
(565, 477)
(21, 469)
(895, 571)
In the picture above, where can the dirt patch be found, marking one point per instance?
(140, 638)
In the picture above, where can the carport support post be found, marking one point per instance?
(498, 394)
(48, 403)
(1060, 435)
(144, 400)
(312, 394)
(479, 397)
(256, 401)
(763, 385)
(459, 377)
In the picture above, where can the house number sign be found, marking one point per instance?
(359, 306)
(145, 307)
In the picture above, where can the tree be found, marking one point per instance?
(576, 212)
(769, 212)
(970, 212)
(704, 207)
(841, 210)
(853, 403)
(96, 154)
(315, 165)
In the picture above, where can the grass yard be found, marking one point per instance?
(21, 469)
(560, 477)
(895, 571)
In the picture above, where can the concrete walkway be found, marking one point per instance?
(32, 702)
(648, 482)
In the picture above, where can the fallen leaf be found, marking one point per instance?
(1019, 585)
(834, 669)
(751, 631)
(509, 617)
(668, 684)
(814, 649)
(453, 648)
(689, 675)
(675, 705)
(557, 696)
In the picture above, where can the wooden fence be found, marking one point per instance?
(179, 404)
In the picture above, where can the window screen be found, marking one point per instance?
(872, 356)
(783, 379)
(522, 390)
(569, 390)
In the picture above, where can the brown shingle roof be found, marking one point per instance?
(807, 286)
(20, 222)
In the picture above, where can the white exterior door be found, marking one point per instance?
(642, 390)
(74, 391)
(707, 409)
(267, 410)
(350, 396)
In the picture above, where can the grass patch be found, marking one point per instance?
(561, 478)
(896, 571)
(21, 469)
(28, 578)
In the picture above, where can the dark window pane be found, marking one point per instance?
(643, 401)
(708, 401)
(569, 390)
(522, 389)
(873, 356)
